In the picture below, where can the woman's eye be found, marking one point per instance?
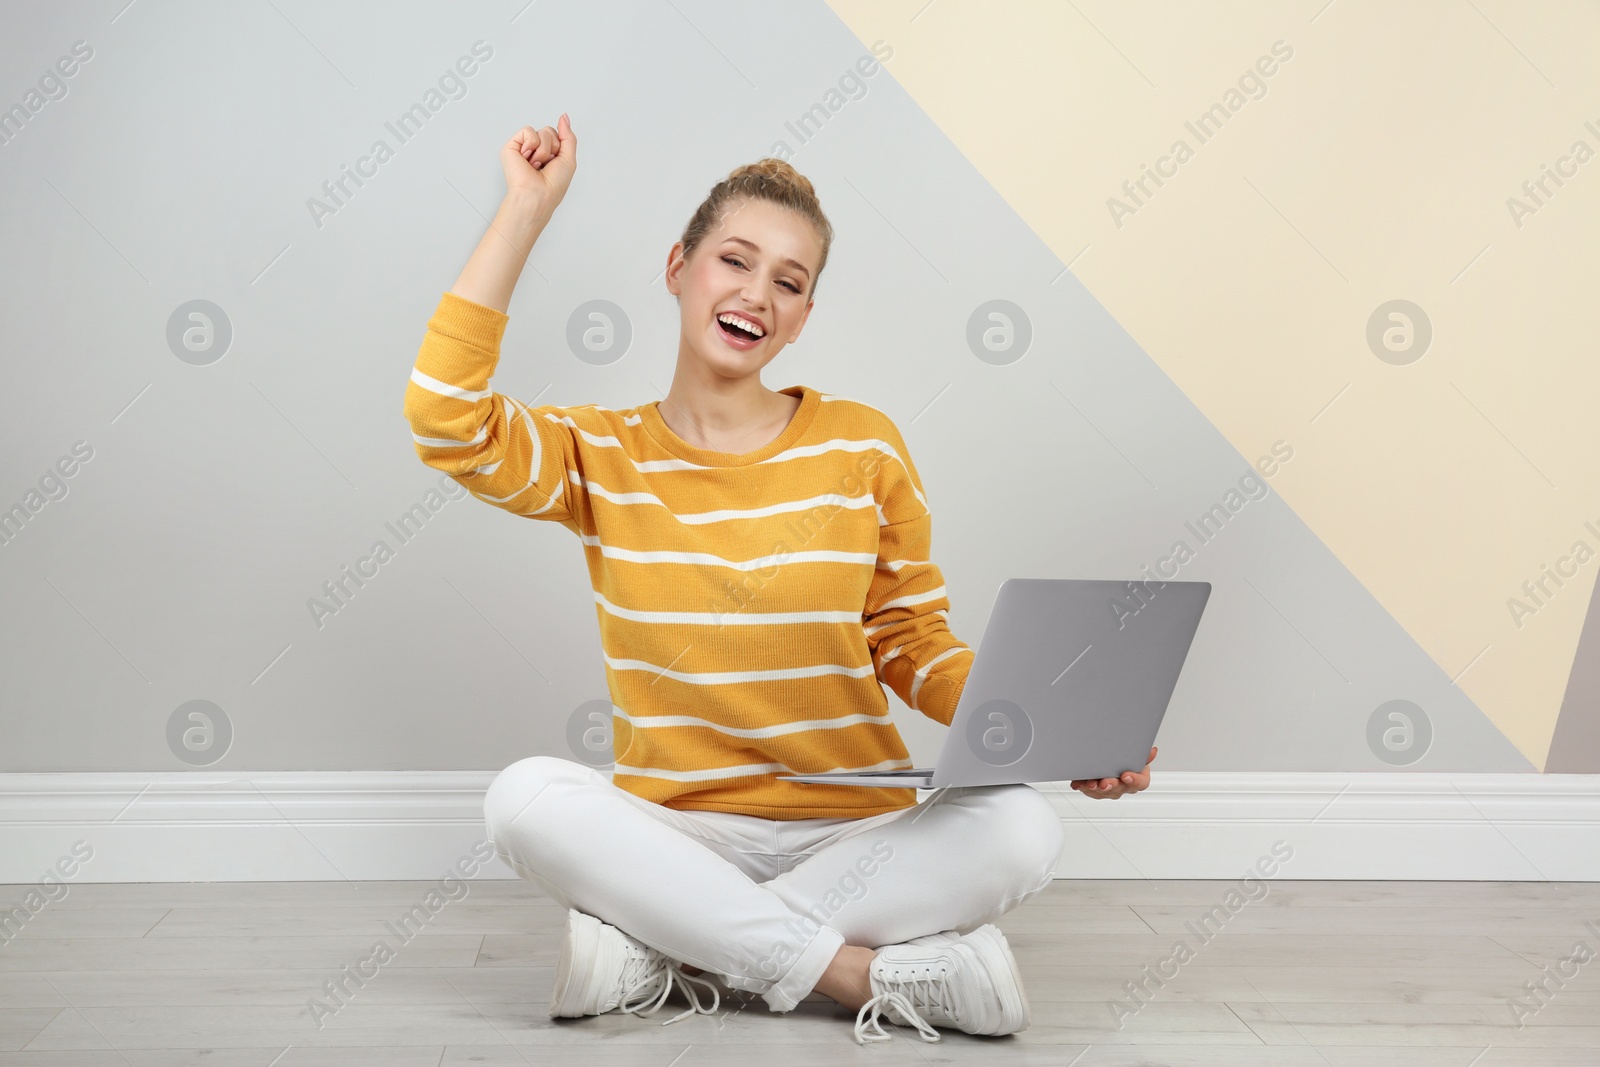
(793, 288)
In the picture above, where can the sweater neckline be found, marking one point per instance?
(810, 400)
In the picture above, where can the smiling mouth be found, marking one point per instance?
(738, 333)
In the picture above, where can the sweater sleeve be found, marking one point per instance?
(504, 452)
(907, 608)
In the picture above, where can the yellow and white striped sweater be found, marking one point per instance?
(749, 605)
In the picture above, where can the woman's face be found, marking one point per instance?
(758, 263)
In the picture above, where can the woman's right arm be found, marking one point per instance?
(502, 451)
(538, 165)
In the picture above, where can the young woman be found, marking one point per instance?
(760, 566)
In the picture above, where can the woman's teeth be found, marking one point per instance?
(737, 332)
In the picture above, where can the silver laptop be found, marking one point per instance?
(1070, 681)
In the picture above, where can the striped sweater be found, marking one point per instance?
(749, 605)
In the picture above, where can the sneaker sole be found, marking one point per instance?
(991, 947)
(573, 995)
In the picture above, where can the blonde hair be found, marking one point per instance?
(770, 179)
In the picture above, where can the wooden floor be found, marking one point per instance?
(1314, 974)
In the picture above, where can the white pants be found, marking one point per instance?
(766, 904)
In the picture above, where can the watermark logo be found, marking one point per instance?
(1203, 128)
(199, 733)
(851, 885)
(599, 332)
(810, 122)
(999, 332)
(589, 734)
(341, 589)
(1206, 528)
(1399, 332)
(1250, 889)
(1539, 994)
(341, 989)
(51, 88)
(52, 487)
(1399, 732)
(999, 732)
(51, 888)
(337, 191)
(1566, 567)
(199, 332)
(1537, 192)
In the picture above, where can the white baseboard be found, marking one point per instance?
(199, 826)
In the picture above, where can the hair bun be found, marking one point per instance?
(770, 179)
(774, 169)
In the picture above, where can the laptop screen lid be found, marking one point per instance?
(1070, 681)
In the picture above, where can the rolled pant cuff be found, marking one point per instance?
(806, 971)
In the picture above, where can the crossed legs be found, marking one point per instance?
(683, 884)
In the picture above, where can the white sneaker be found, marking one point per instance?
(943, 937)
(600, 968)
(995, 951)
(968, 982)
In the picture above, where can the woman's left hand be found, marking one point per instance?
(1130, 782)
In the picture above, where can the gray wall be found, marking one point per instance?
(222, 487)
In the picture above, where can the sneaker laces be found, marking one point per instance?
(653, 973)
(926, 991)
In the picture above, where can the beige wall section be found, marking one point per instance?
(1377, 165)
